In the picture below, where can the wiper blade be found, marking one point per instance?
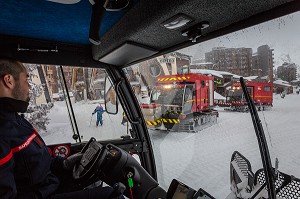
(262, 142)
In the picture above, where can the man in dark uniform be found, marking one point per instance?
(27, 171)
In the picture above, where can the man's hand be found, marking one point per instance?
(69, 162)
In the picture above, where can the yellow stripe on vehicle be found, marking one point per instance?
(165, 120)
(189, 100)
(149, 123)
(172, 79)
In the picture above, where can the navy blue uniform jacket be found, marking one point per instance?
(25, 163)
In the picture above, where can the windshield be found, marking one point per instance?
(197, 117)
(196, 146)
(168, 95)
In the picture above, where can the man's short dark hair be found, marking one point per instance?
(10, 66)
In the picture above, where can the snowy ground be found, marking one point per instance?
(201, 159)
(86, 122)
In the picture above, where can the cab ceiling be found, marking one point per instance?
(141, 26)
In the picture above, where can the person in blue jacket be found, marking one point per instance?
(99, 110)
(27, 171)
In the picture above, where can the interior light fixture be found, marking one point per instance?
(177, 21)
(194, 32)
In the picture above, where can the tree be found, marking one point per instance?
(36, 114)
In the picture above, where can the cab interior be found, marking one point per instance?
(114, 34)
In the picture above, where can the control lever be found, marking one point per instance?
(119, 189)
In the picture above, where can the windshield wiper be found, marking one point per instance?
(262, 142)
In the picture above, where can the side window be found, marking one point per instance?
(267, 88)
(188, 93)
(68, 103)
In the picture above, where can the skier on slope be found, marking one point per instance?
(99, 110)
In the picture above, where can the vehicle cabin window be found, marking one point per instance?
(267, 88)
(52, 115)
(188, 93)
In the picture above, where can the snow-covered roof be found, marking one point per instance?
(282, 83)
(207, 71)
(214, 72)
(265, 77)
(251, 78)
(296, 80)
(236, 76)
(180, 55)
(201, 62)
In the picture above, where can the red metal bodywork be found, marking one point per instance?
(181, 103)
(203, 88)
(261, 92)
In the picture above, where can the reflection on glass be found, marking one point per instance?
(267, 56)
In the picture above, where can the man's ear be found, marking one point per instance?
(8, 81)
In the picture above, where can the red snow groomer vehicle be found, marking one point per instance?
(261, 93)
(181, 103)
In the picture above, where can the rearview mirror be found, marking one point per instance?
(110, 97)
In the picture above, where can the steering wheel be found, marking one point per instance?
(93, 155)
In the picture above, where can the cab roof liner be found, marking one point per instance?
(54, 30)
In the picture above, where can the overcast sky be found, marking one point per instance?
(282, 35)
